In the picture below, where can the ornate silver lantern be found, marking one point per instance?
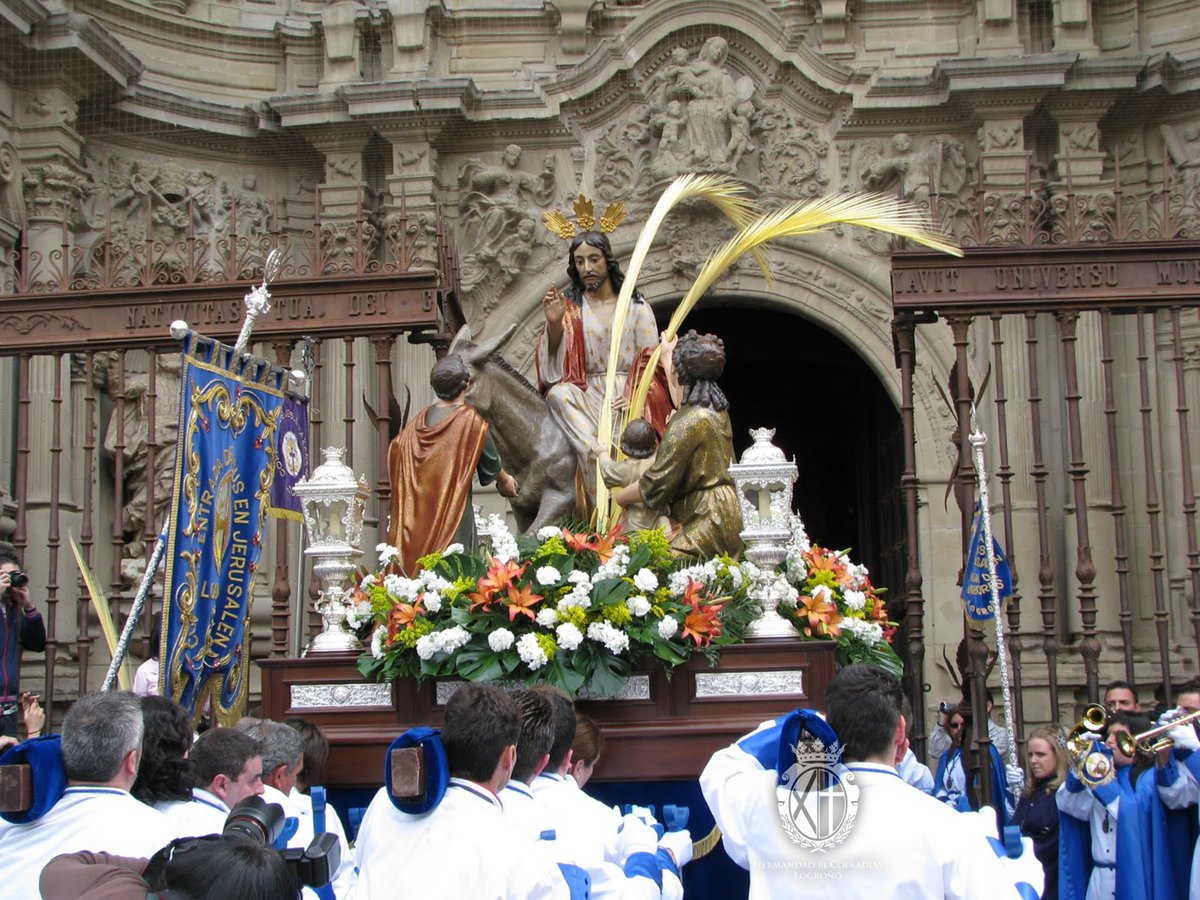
(764, 480)
(334, 503)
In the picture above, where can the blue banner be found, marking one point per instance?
(224, 468)
(291, 458)
(976, 588)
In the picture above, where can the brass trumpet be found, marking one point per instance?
(1148, 742)
(1093, 722)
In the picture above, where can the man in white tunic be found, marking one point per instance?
(901, 843)
(101, 748)
(622, 855)
(228, 766)
(283, 758)
(573, 349)
(463, 847)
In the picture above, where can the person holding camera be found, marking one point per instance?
(21, 627)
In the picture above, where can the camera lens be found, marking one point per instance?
(18, 579)
(255, 819)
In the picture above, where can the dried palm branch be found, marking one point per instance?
(876, 211)
(728, 196)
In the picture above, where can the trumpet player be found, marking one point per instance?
(1113, 824)
(1184, 793)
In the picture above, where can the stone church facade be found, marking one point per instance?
(180, 126)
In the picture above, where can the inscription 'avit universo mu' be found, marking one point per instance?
(1044, 277)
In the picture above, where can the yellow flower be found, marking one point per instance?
(618, 614)
(548, 645)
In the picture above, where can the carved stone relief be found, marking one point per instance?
(52, 190)
(498, 232)
(12, 200)
(700, 116)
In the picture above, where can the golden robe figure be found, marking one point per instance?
(690, 477)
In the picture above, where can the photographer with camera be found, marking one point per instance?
(240, 862)
(21, 627)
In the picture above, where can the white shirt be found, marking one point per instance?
(301, 806)
(586, 832)
(915, 773)
(204, 814)
(86, 818)
(145, 679)
(465, 848)
(903, 843)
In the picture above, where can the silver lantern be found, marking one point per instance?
(764, 480)
(334, 500)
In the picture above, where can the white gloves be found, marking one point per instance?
(680, 845)
(1184, 737)
(635, 836)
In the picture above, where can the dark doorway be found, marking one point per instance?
(829, 411)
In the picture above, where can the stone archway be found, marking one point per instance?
(831, 412)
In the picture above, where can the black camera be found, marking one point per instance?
(261, 823)
(17, 578)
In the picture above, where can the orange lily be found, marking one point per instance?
(496, 581)
(703, 623)
(576, 542)
(403, 616)
(822, 615)
(605, 544)
(521, 601)
(822, 560)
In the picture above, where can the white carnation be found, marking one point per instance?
(432, 601)
(855, 599)
(569, 636)
(453, 638)
(426, 646)
(870, 632)
(547, 616)
(638, 605)
(386, 553)
(368, 582)
(500, 639)
(822, 593)
(611, 637)
(432, 581)
(547, 575)
(578, 578)
(667, 628)
(377, 641)
(645, 581)
(404, 588)
(531, 652)
(546, 532)
(453, 549)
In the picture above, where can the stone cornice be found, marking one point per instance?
(23, 15)
(203, 115)
(84, 35)
(1172, 75)
(1009, 73)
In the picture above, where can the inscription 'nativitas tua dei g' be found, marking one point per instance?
(283, 309)
(1054, 277)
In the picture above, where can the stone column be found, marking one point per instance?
(410, 59)
(997, 27)
(342, 196)
(1002, 151)
(343, 45)
(1079, 150)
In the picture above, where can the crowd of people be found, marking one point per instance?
(125, 796)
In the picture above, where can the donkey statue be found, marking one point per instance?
(532, 446)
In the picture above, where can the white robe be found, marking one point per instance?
(903, 843)
(462, 848)
(578, 412)
(204, 814)
(1180, 794)
(86, 818)
(344, 877)
(586, 833)
(1102, 820)
(915, 773)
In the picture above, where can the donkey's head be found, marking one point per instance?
(481, 393)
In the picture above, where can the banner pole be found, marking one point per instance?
(307, 363)
(978, 439)
(135, 611)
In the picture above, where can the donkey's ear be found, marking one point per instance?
(487, 348)
(464, 334)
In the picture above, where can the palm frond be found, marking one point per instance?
(724, 193)
(875, 211)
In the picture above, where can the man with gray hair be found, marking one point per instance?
(282, 759)
(101, 749)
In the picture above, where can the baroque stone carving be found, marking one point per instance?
(498, 227)
(52, 191)
(129, 435)
(12, 200)
(793, 156)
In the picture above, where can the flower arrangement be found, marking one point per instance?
(575, 609)
(825, 595)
